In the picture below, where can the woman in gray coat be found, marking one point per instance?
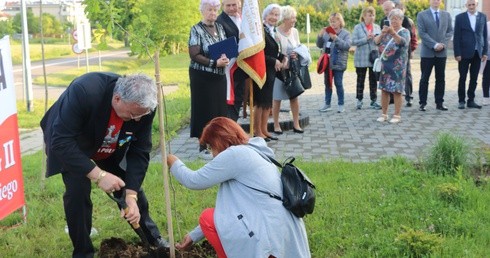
(363, 38)
(245, 222)
(336, 43)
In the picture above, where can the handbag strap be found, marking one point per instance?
(270, 159)
(382, 53)
(365, 32)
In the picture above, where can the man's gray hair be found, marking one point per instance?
(137, 88)
(396, 13)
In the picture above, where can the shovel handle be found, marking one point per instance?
(135, 225)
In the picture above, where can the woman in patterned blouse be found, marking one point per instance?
(207, 76)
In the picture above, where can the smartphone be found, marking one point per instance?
(331, 30)
(386, 23)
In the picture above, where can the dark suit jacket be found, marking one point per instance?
(466, 40)
(75, 126)
(272, 53)
(230, 27)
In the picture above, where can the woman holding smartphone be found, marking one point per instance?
(393, 42)
(335, 42)
(363, 38)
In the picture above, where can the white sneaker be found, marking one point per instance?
(486, 101)
(359, 104)
(325, 108)
(93, 231)
(341, 109)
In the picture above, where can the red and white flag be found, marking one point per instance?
(251, 58)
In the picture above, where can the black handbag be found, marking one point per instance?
(298, 192)
(292, 84)
(373, 55)
(302, 72)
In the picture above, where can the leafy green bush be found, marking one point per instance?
(448, 154)
(417, 243)
(451, 193)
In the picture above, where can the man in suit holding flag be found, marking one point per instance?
(231, 20)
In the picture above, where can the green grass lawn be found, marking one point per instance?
(379, 209)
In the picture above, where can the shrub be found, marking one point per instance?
(449, 153)
(417, 243)
(451, 193)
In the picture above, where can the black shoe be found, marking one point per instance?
(297, 130)
(409, 103)
(441, 107)
(278, 132)
(422, 107)
(272, 138)
(161, 243)
(472, 104)
(461, 105)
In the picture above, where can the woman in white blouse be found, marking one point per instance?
(288, 39)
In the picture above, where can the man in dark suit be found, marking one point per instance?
(231, 20)
(470, 50)
(435, 30)
(99, 130)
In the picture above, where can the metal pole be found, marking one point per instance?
(26, 58)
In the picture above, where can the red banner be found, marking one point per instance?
(11, 182)
(251, 57)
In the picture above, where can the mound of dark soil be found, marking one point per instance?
(118, 248)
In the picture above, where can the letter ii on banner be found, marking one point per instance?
(11, 182)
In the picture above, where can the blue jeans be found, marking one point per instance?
(338, 77)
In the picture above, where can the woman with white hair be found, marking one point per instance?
(288, 38)
(207, 76)
(274, 62)
(393, 43)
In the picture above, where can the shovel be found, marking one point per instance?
(136, 226)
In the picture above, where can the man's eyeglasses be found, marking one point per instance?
(133, 117)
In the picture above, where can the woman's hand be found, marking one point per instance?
(222, 61)
(171, 159)
(278, 65)
(186, 242)
(293, 55)
(386, 30)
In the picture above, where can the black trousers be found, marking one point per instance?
(426, 65)
(373, 83)
(486, 80)
(239, 78)
(408, 82)
(472, 64)
(78, 213)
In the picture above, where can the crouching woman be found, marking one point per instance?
(244, 222)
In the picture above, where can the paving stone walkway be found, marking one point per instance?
(356, 136)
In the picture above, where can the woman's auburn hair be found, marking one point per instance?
(221, 133)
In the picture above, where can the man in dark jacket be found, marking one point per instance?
(99, 130)
(470, 50)
(231, 21)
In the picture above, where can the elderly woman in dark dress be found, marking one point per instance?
(274, 61)
(207, 76)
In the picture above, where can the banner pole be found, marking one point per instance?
(163, 151)
(251, 101)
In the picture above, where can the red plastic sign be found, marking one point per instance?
(11, 182)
